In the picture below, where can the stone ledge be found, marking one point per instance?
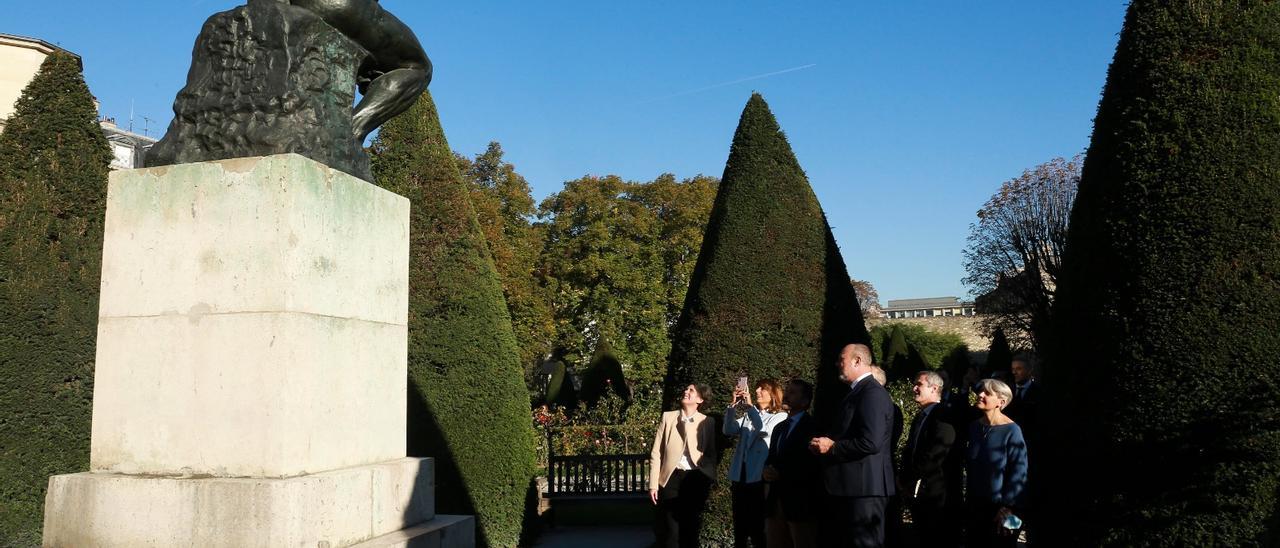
(337, 508)
(444, 531)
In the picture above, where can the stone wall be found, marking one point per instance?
(967, 327)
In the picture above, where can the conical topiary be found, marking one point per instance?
(468, 405)
(999, 356)
(53, 181)
(894, 360)
(560, 390)
(770, 296)
(1162, 375)
(603, 375)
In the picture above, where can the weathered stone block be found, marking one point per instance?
(253, 321)
(336, 508)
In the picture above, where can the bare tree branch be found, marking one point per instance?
(1013, 254)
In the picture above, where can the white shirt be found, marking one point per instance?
(685, 463)
(859, 379)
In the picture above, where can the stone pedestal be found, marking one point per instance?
(250, 382)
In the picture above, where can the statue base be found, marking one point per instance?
(250, 377)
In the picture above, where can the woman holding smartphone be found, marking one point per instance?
(753, 426)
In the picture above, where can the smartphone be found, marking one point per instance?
(742, 383)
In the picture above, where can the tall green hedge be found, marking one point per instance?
(53, 180)
(770, 296)
(1165, 367)
(468, 405)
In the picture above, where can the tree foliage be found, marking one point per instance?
(868, 298)
(505, 210)
(53, 177)
(468, 406)
(1014, 252)
(616, 259)
(1163, 369)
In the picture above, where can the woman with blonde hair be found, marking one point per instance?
(753, 429)
(996, 472)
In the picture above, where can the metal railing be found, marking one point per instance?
(597, 475)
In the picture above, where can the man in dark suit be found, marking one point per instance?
(857, 469)
(794, 474)
(923, 472)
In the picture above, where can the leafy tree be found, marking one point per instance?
(868, 298)
(682, 209)
(468, 407)
(770, 295)
(1014, 252)
(604, 376)
(1162, 372)
(53, 175)
(616, 257)
(999, 356)
(505, 210)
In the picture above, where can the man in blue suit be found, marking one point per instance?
(856, 457)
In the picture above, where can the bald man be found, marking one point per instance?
(856, 457)
(396, 71)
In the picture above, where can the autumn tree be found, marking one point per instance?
(1014, 252)
(505, 209)
(868, 298)
(617, 257)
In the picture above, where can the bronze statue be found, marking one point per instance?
(277, 76)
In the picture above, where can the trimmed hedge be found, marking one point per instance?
(770, 296)
(53, 181)
(560, 390)
(999, 355)
(468, 405)
(602, 376)
(1165, 368)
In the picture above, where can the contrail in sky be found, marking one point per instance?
(730, 83)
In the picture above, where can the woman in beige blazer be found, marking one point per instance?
(682, 467)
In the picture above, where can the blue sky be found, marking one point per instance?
(906, 115)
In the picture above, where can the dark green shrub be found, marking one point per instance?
(770, 296)
(560, 390)
(53, 177)
(603, 375)
(1162, 373)
(894, 356)
(999, 355)
(934, 346)
(468, 405)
